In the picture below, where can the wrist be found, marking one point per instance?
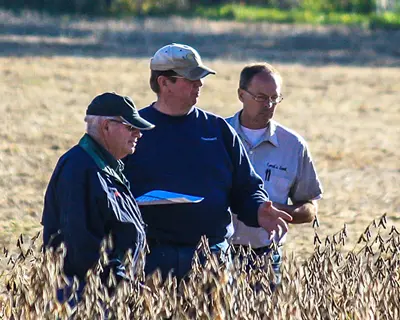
(280, 206)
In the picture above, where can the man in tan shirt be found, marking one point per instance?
(279, 155)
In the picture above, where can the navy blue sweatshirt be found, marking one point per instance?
(86, 200)
(197, 154)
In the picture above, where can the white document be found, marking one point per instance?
(156, 197)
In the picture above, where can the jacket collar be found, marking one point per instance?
(103, 159)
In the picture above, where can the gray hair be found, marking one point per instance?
(93, 123)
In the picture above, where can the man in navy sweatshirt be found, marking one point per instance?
(194, 152)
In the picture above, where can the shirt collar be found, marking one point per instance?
(269, 135)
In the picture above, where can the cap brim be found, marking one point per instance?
(139, 123)
(196, 73)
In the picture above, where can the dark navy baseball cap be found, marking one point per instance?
(111, 104)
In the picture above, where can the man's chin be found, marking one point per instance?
(268, 116)
(194, 101)
(130, 151)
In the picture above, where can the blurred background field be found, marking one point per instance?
(341, 88)
(367, 13)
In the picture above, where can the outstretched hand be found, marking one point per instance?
(273, 220)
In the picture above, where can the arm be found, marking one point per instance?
(302, 212)
(74, 193)
(307, 186)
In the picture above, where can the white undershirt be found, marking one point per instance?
(253, 135)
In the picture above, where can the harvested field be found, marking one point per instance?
(341, 93)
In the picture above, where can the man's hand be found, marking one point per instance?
(273, 220)
(301, 212)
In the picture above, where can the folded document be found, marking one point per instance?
(155, 197)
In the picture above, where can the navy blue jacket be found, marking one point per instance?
(86, 200)
(198, 154)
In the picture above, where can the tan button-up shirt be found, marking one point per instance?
(283, 161)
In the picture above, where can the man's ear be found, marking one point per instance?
(240, 94)
(104, 125)
(162, 81)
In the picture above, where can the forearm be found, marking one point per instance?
(304, 212)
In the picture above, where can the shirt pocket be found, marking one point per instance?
(279, 185)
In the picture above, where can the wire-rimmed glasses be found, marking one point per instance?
(264, 98)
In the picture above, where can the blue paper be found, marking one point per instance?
(156, 197)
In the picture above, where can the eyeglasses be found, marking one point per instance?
(180, 77)
(127, 125)
(273, 100)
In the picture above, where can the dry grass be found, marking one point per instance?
(336, 95)
(360, 284)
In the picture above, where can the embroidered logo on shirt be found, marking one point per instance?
(270, 166)
(209, 139)
(275, 166)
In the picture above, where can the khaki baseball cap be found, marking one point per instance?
(182, 59)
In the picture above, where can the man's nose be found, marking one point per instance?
(137, 133)
(270, 105)
(199, 83)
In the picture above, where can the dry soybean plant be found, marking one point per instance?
(363, 283)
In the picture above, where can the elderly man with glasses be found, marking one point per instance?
(279, 155)
(89, 198)
(193, 152)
